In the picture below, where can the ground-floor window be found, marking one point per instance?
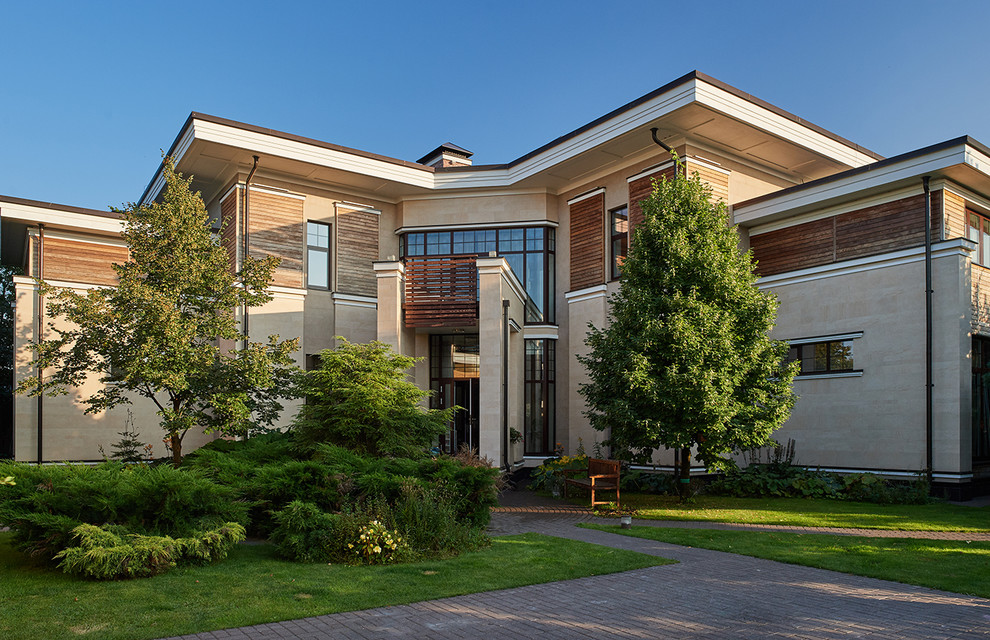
(540, 397)
(981, 399)
(823, 356)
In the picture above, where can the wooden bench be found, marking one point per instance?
(603, 475)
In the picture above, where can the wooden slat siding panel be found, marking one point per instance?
(588, 242)
(798, 247)
(954, 210)
(441, 292)
(639, 190)
(277, 230)
(884, 227)
(80, 261)
(357, 249)
(718, 181)
(865, 232)
(228, 235)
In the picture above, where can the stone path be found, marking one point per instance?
(708, 595)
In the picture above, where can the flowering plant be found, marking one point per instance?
(376, 544)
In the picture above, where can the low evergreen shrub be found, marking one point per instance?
(50, 501)
(104, 554)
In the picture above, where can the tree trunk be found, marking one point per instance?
(684, 481)
(176, 450)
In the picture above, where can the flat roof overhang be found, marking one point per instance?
(694, 109)
(963, 161)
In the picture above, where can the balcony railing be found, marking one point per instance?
(441, 292)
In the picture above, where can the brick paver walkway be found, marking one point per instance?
(707, 595)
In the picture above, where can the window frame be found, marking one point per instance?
(982, 238)
(311, 248)
(615, 264)
(795, 355)
(517, 237)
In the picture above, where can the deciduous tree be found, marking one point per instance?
(168, 331)
(686, 361)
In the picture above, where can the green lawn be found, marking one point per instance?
(812, 513)
(960, 567)
(253, 586)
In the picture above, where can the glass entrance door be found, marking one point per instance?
(454, 371)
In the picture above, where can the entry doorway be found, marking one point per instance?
(454, 380)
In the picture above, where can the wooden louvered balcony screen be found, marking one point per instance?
(441, 292)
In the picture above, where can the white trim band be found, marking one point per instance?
(649, 172)
(597, 291)
(585, 196)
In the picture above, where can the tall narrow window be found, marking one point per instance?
(318, 254)
(619, 225)
(978, 230)
(540, 397)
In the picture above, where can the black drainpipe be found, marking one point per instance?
(928, 330)
(41, 333)
(505, 384)
(247, 244)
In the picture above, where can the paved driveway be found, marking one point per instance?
(709, 595)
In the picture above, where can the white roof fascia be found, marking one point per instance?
(54, 217)
(865, 180)
(622, 123)
(762, 118)
(266, 144)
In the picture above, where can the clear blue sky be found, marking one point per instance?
(91, 91)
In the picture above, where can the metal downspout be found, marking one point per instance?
(247, 243)
(505, 384)
(929, 387)
(41, 333)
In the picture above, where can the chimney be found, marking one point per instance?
(447, 155)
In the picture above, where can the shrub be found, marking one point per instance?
(359, 398)
(305, 533)
(646, 482)
(550, 474)
(50, 501)
(376, 544)
(103, 554)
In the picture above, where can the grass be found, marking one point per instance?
(253, 586)
(806, 512)
(956, 566)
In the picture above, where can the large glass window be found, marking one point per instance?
(619, 225)
(818, 358)
(528, 250)
(318, 255)
(540, 398)
(978, 230)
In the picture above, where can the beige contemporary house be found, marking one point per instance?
(492, 273)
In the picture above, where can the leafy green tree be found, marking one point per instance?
(686, 361)
(359, 398)
(168, 331)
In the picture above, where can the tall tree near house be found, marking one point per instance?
(686, 361)
(160, 333)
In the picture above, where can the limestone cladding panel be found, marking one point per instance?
(856, 234)
(277, 229)
(283, 315)
(82, 261)
(639, 190)
(718, 181)
(480, 210)
(587, 242)
(877, 420)
(318, 320)
(228, 233)
(357, 249)
(580, 313)
(357, 324)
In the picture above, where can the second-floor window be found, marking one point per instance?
(318, 255)
(618, 223)
(528, 250)
(978, 230)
